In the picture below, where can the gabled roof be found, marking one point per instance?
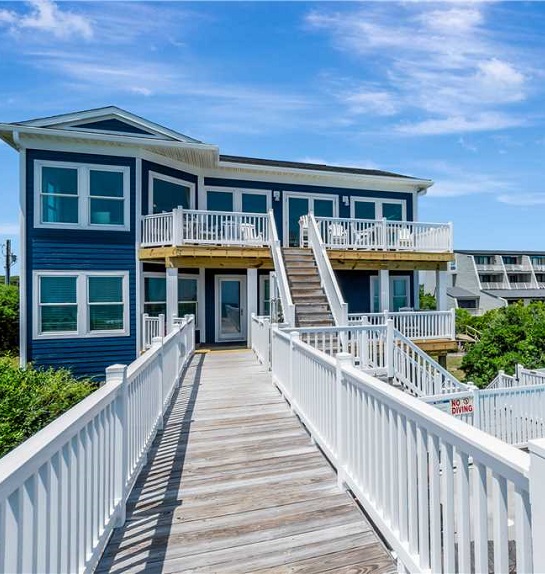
(517, 293)
(111, 120)
(461, 293)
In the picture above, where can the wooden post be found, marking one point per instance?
(117, 374)
(343, 360)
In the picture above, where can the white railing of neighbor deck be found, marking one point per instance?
(413, 324)
(381, 234)
(338, 307)
(64, 490)
(282, 283)
(192, 226)
(261, 339)
(152, 327)
(437, 492)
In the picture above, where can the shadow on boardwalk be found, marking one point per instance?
(233, 485)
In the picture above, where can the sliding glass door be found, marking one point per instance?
(299, 204)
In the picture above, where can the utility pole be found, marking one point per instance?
(11, 258)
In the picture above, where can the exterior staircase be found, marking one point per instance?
(311, 305)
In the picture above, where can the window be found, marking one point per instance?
(155, 295)
(369, 208)
(510, 260)
(81, 304)
(483, 260)
(399, 293)
(264, 295)
(238, 200)
(467, 304)
(81, 196)
(167, 193)
(187, 296)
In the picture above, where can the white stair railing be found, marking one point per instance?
(288, 308)
(338, 307)
(64, 490)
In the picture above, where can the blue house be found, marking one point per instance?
(124, 221)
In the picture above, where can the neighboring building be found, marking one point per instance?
(103, 242)
(483, 280)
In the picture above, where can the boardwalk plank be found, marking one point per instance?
(234, 485)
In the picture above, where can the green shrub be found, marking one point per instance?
(427, 300)
(31, 398)
(9, 318)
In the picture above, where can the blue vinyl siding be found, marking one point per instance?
(80, 250)
(114, 126)
(148, 166)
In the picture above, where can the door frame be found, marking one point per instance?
(374, 289)
(243, 307)
(175, 180)
(311, 197)
(378, 205)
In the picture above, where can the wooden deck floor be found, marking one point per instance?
(234, 485)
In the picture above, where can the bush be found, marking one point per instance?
(427, 300)
(511, 335)
(9, 318)
(31, 398)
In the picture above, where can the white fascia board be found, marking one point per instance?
(418, 185)
(134, 141)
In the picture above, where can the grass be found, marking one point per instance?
(454, 362)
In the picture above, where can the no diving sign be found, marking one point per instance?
(459, 407)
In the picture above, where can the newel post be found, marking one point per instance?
(157, 343)
(342, 360)
(177, 226)
(294, 336)
(389, 351)
(117, 374)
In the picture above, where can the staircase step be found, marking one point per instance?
(300, 263)
(313, 322)
(314, 280)
(302, 293)
(309, 271)
(297, 251)
(312, 307)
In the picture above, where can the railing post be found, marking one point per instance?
(364, 351)
(161, 327)
(342, 360)
(267, 330)
(537, 502)
(453, 324)
(117, 374)
(389, 351)
(145, 328)
(294, 336)
(158, 342)
(476, 404)
(177, 226)
(384, 234)
(518, 369)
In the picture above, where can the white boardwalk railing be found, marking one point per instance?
(437, 489)
(191, 226)
(367, 234)
(152, 327)
(64, 490)
(412, 324)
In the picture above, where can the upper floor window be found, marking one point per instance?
(81, 196)
(168, 193)
(484, 260)
(510, 260)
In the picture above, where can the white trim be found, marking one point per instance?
(243, 319)
(201, 193)
(237, 195)
(23, 272)
(175, 180)
(379, 203)
(138, 264)
(83, 196)
(375, 285)
(201, 304)
(407, 280)
(262, 300)
(192, 277)
(82, 301)
(251, 301)
(303, 195)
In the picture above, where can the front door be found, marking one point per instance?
(230, 308)
(296, 205)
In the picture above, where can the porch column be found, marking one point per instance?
(172, 296)
(441, 290)
(416, 290)
(384, 286)
(201, 305)
(251, 305)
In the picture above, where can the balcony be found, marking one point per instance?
(384, 235)
(194, 227)
(522, 285)
(518, 267)
(489, 267)
(494, 285)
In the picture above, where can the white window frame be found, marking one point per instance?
(378, 206)
(83, 196)
(147, 274)
(262, 279)
(175, 180)
(193, 277)
(237, 192)
(375, 289)
(82, 302)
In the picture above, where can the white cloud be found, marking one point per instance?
(522, 199)
(9, 229)
(458, 19)
(460, 124)
(47, 16)
(372, 102)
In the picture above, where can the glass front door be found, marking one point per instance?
(297, 206)
(230, 308)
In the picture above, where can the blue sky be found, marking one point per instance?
(448, 91)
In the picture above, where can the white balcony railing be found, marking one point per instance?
(489, 267)
(364, 234)
(522, 285)
(412, 324)
(495, 285)
(191, 226)
(525, 267)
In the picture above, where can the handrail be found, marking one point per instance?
(339, 308)
(64, 490)
(288, 308)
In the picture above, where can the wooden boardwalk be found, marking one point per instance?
(234, 485)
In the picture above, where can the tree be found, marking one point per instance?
(427, 300)
(511, 335)
(9, 318)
